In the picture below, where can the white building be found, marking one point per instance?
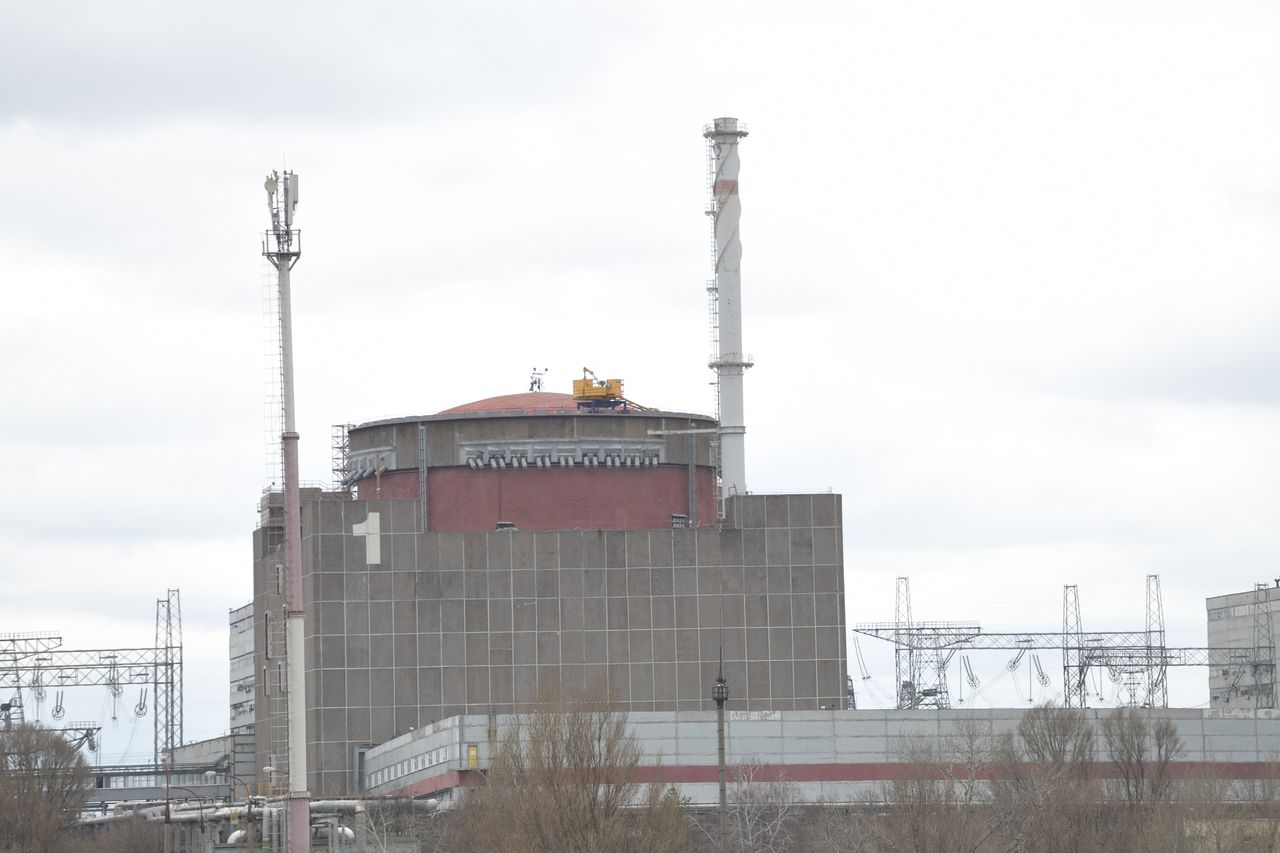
(242, 675)
(1247, 621)
(824, 756)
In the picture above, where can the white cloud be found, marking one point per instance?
(1009, 275)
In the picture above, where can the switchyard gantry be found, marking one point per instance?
(1137, 660)
(35, 662)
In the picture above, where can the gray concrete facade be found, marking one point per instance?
(242, 669)
(1239, 620)
(404, 629)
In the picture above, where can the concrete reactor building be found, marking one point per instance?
(574, 549)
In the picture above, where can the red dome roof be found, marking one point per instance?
(530, 401)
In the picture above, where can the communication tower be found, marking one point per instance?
(282, 247)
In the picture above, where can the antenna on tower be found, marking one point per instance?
(282, 198)
(535, 379)
(282, 247)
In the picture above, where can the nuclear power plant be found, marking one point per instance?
(476, 558)
(465, 564)
(542, 577)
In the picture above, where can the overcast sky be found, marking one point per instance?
(1010, 281)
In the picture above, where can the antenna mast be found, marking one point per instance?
(282, 246)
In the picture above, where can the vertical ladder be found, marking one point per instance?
(273, 360)
(713, 312)
(274, 682)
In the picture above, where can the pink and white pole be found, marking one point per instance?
(282, 191)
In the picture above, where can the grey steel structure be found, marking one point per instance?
(405, 628)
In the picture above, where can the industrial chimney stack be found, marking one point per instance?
(729, 361)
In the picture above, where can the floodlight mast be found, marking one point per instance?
(282, 246)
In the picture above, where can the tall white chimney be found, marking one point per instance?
(729, 362)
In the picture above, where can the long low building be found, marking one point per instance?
(825, 756)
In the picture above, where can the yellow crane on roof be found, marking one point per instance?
(593, 393)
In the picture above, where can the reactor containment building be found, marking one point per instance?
(503, 548)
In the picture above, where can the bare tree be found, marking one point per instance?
(391, 825)
(1141, 752)
(1045, 795)
(762, 813)
(938, 801)
(43, 786)
(564, 779)
(132, 835)
(1258, 806)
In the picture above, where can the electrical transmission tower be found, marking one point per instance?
(904, 654)
(920, 670)
(1137, 660)
(15, 649)
(1156, 670)
(36, 662)
(168, 695)
(1073, 674)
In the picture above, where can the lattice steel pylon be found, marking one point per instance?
(168, 675)
(14, 651)
(904, 655)
(1136, 660)
(1156, 669)
(920, 669)
(1074, 668)
(1264, 654)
